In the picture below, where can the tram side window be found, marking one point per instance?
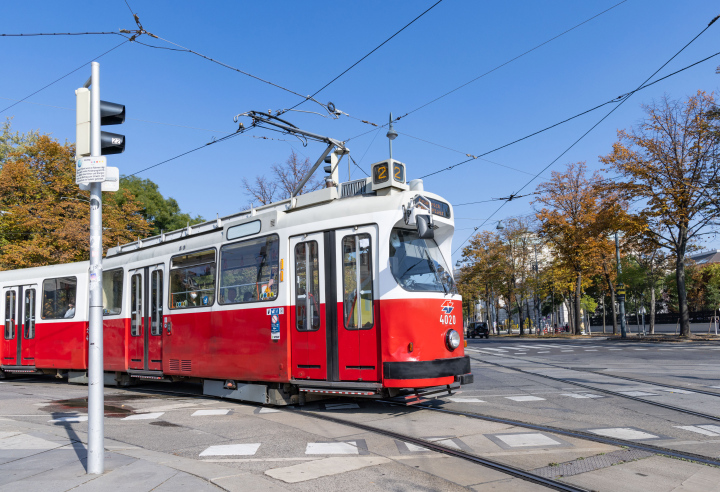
(59, 298)
(307, 287)
(357, 282)
(112, 292)
(136, 310)
(10, 314)
(29, 321)
(249, 270)
(156, 303)
(192, 280)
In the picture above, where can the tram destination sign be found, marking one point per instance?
(440, 208)
(90, 170)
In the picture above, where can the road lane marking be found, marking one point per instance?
(525, 440)
(524, 398)
(581, 395)
(247, 449)
(144, 416)
(698, 429)
(349, 447)
(73, 418)
(202, 413)
(624, 433)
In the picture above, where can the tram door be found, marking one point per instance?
(19, 309)
(309, 347)
(357, 330)
(146, 314)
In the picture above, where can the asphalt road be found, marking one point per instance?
(503, 391)
(263, 448)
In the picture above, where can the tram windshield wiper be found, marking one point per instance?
(431, 263)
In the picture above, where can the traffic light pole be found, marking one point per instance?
(96, 387)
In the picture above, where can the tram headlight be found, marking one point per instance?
(452, 339)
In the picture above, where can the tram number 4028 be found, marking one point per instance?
(447, 319)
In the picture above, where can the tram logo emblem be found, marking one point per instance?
(447, 307)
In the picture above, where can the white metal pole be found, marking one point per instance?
(96, 397)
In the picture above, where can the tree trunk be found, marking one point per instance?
(651, 330)
(527, 314)
(603, 301)
(571, 315)
(521, 325)
(680, 278)
(578, 298)
(612, 303)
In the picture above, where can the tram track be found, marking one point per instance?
(600, 373)
(602, 390)
(508, 469)
(433, 446)
(572, 433)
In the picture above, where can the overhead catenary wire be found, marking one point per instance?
(511, 60)
(461, 152)
(27, 35)
(127, 119)
(64, 76)
(368, 54)
(625, 98)
(226, 137)
(491, 70)
(619, 99)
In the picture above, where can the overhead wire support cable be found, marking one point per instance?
(222, 139)
(28, 35)
(493, 69)
(368, 54)
(511, 60)
(59, 79)
(624, 98)
(618, 99)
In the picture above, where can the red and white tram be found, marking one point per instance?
(345, 290)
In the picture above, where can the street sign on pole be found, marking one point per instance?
(90, 170)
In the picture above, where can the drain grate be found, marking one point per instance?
(591, 463)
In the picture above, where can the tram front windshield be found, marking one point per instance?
(417, 264)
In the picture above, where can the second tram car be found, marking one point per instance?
(346, 290)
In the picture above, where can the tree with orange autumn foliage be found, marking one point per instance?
(45, 218)
(670, 162)
(578, 216)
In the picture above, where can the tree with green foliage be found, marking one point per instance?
(670, 163)
(45, 217)
(162, 214)
(14, 142)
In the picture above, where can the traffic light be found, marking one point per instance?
(110, 114)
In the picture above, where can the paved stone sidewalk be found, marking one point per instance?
(35, 458)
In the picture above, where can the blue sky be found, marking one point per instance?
(303, 45)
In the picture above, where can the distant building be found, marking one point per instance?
(705, 257)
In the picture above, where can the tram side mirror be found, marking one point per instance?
(424, 224)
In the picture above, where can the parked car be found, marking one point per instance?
(479, 329)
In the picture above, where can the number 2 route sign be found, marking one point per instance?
(90, 170)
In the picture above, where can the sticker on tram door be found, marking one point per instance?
(447, 318)
(274, 314)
